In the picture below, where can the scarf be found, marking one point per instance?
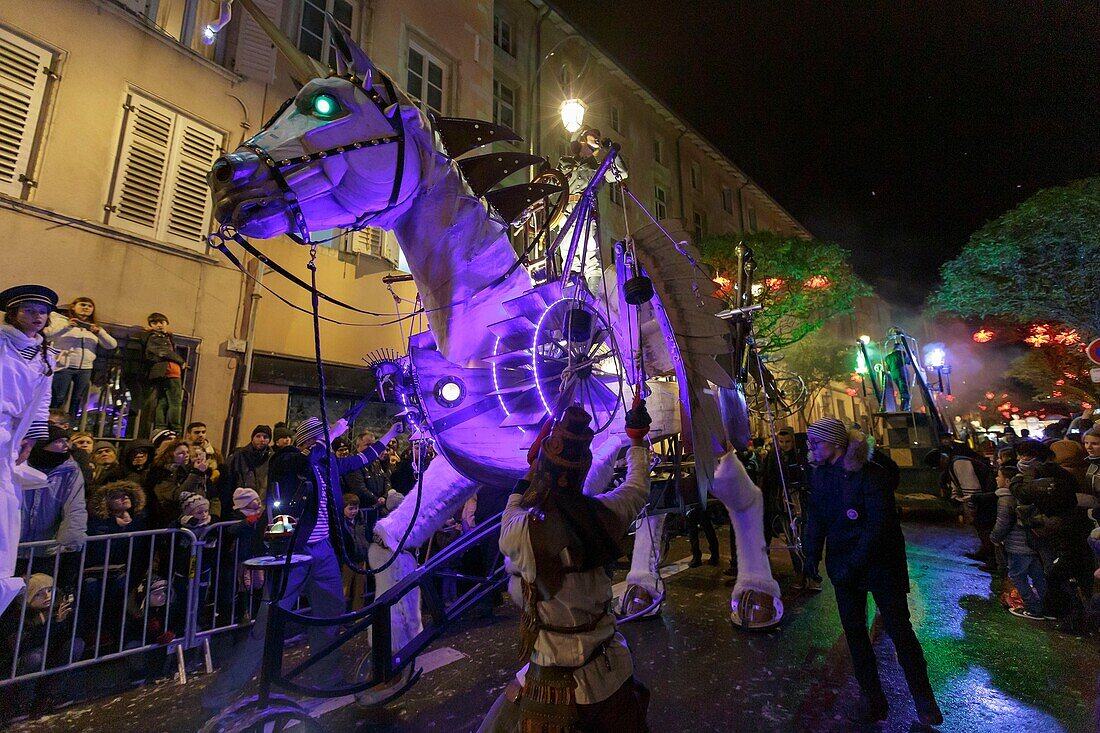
(1028, 466)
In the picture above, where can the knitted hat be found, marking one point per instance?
(101, 444)
(308, 432)
(281, 433)
(38, 583)
(261, 429)
(191, 503)
(1067, 451)
(242, 497)
(161, 436)
(828, 430)
(341, 442)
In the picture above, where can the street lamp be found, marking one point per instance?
(572, 114)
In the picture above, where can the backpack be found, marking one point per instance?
(987, 477)
(1037, 504)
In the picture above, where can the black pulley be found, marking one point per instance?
(638, 290)
(578, 324)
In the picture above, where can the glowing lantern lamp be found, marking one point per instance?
(572, 114)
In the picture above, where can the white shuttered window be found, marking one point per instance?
(159, 185)
(23, 77)
(375, 242)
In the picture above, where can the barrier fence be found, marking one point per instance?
(125, 594)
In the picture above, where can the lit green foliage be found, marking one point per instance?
(819, 359)
(1038, 262)
(803, 282)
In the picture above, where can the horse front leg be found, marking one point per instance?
(755, 602)
(442, 491)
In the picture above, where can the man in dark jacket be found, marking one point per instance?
(851, 509)
(247, 467)
(307, 485)
(165, 373)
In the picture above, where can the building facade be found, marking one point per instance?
(118, 107)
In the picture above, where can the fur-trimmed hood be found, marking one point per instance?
(858, 452)
(97, 503)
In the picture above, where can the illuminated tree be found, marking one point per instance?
(819, 359)
(1038, 262)
(1056, 374)
(800, 283)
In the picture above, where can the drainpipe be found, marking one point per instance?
(680, 178)
(534, 89)
(741, 203)
(249, 328)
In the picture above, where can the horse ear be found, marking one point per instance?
(350, 58)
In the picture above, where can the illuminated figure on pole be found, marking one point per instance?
(503, 355)
(588, 152)
(896, 376)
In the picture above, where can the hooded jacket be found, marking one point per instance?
(158, 348)
(851, 510)
(56, 511)
(1007, 529)
(101, 523)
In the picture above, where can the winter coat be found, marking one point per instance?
(159, 350)
(850, 512)
(57, 511)
(247, 537)
(356, 541)
(100, 523)
(1064, 527)
(163, 486)
(368, 483)
(1007, 530)
(77, 344)
(246, 467)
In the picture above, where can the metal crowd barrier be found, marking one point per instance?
(100, 609)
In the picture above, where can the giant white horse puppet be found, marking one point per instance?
(351, 149)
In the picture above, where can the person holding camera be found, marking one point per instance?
(79, 338)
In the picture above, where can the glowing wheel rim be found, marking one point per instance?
(589, 373)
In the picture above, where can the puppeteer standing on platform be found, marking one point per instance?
(587, 153)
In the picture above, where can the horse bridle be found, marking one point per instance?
(276, 167)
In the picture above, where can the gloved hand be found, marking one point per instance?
(533, 451)
(638, 420)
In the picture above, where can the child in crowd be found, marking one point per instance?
(1025, 568)
(165, 373)
(79, 338)
(357, 539)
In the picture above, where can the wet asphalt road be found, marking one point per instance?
(991, 671)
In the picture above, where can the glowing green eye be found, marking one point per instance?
(325, 106)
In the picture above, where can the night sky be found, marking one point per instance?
(895, 129)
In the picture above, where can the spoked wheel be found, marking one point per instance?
(785, 394)
(278, 714)
(575, 360)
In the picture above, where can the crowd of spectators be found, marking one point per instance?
(1034, 504)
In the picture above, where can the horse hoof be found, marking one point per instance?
(754, 610)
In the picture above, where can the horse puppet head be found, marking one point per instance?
(335, 155)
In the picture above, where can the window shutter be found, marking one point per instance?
(188, 201)
(143, 166)
(375, 242)
(255, 51)
(22, 89)
(390, 252)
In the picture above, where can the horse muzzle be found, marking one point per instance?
(247, 197)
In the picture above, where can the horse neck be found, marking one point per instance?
(459, 258)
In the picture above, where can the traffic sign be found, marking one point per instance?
(1093, 350)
